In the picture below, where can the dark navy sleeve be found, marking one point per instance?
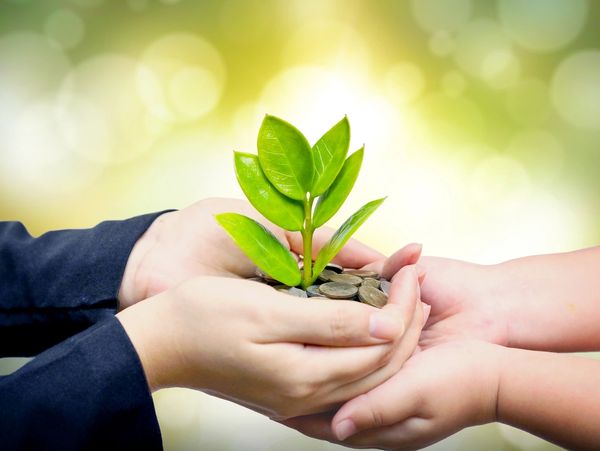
(88, 392)
(59, 284)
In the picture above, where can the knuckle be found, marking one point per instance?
(341, 326)
(374, 414)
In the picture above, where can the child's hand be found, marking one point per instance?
(468, 301)
(437, 392)
(190, 243)
(277, 354)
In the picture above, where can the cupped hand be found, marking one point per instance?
(436, 393)
(280, 355)
(467, 300)
(189, 242)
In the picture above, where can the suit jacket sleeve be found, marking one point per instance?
(59, 284)
(88, 392)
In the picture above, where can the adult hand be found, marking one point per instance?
(277, 354)
(188, 243)
(436, 393)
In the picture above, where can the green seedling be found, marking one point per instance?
(299, 188)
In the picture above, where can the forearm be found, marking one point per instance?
(554, 396)
(60, 283)
(89, 392)
(552, 301)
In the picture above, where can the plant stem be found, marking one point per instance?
(307, 234)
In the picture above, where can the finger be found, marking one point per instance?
(391, 402)
(317, 425)
(354, 254)
(408, 255)
(330, 367)
(402, 352)
(413, 433)
(328, 322)
(404, 293)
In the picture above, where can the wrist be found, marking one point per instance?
(137, 275)
(147, 325)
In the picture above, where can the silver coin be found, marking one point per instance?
(372, 296)
(346, 278)
(362, 273)
(298, 292)
(292, 291)
(334, 267)
(326, 274)
(338, 290)
(313, 291)
(371, 282)
(385, 287)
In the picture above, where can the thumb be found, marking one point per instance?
(408, 255)
(404, 293)
(391, 402)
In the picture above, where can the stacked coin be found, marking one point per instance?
(338, 283)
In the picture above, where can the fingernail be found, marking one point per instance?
(345, 429)
(385, 326)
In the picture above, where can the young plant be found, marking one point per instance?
(282, 183)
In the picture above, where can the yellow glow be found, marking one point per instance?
(181, 77)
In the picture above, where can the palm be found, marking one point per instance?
(462, 304)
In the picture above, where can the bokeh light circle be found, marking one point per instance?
(404, 82)
(445, 15)
(101, 113)
(543, 25)
(194, 91)
(37, 161)
(576, 89)
(484, 51)
(65, 27)
(181, 77)
(528, 101)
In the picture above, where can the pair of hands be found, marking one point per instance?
(451, 382)
(200, 326)
(286, 357)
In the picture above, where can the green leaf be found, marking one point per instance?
(285, 157)
(331, 201)
(329, 154)
(261, 246)
(343, 234)
(273, 205)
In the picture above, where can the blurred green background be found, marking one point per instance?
(481, 121)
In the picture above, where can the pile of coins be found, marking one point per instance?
(338, 283)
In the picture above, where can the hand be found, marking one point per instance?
(468, 301)
(277, 354)
(187, 243)
(436, 393)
